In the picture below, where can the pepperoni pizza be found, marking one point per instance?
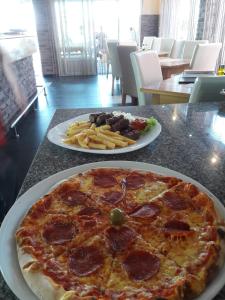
(120, 234)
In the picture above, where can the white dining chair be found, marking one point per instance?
(189, 48)
(177, 49)
(114, 60)
(147, 70)
(127, 80)
(166, 45)
(156, 44)
(205, 57)
(208, 89)
(147, 42)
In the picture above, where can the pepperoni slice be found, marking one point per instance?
(121, 238)
(175, 201)
(89, 224)
(176, 225)
(84, 261)
(147, 211)
(134, 181)
(58, 233)
(141, 265)
(104, 181)
(73, 197)
(177, 228)
(88, 211)
(112, 197)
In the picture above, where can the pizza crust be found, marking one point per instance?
(220, 261)
(42, 286)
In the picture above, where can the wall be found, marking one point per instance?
(150, 18)
(24, 73)
(45, 37)
(151, 7)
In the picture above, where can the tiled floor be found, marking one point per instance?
(64, 92)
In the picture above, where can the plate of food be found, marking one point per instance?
(105, 133)
(114, 230)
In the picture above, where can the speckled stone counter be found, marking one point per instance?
(192, 142)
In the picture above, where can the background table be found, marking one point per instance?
(171, 66)
(192, 142)
(168, 91)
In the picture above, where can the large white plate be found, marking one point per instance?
(8, 259)
(57, 134)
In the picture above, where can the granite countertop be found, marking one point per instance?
(192, 142)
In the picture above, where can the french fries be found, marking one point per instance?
(88, 136)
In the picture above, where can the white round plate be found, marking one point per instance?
(56, 135)
(9, 265)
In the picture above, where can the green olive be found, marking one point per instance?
(117, 216)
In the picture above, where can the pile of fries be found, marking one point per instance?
(87, 135)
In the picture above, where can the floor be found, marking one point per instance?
(64, 92)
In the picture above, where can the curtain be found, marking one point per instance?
(179, 19)
(80, 26)
(214, 24)
(74, 37)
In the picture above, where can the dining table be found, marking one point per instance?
(168, 91)
(171, 66)
(192, 142)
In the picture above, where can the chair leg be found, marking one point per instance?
(134, 100)
(124, 96)
(113, 78)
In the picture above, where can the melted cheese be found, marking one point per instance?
(150, 191)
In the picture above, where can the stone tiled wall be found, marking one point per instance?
(45, 37)
(24, 73)
(201, 19)
(149, 26)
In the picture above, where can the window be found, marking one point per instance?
(17, 15)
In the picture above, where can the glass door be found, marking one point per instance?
(115, 20)
(83, 27)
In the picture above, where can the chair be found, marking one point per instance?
(177, 49)
(189, 48)
(166, 45)
(147, 42)
(147, 70)
(205, 57)
(128, 80)
(156, 44)
(208, 89)
(114, 59)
